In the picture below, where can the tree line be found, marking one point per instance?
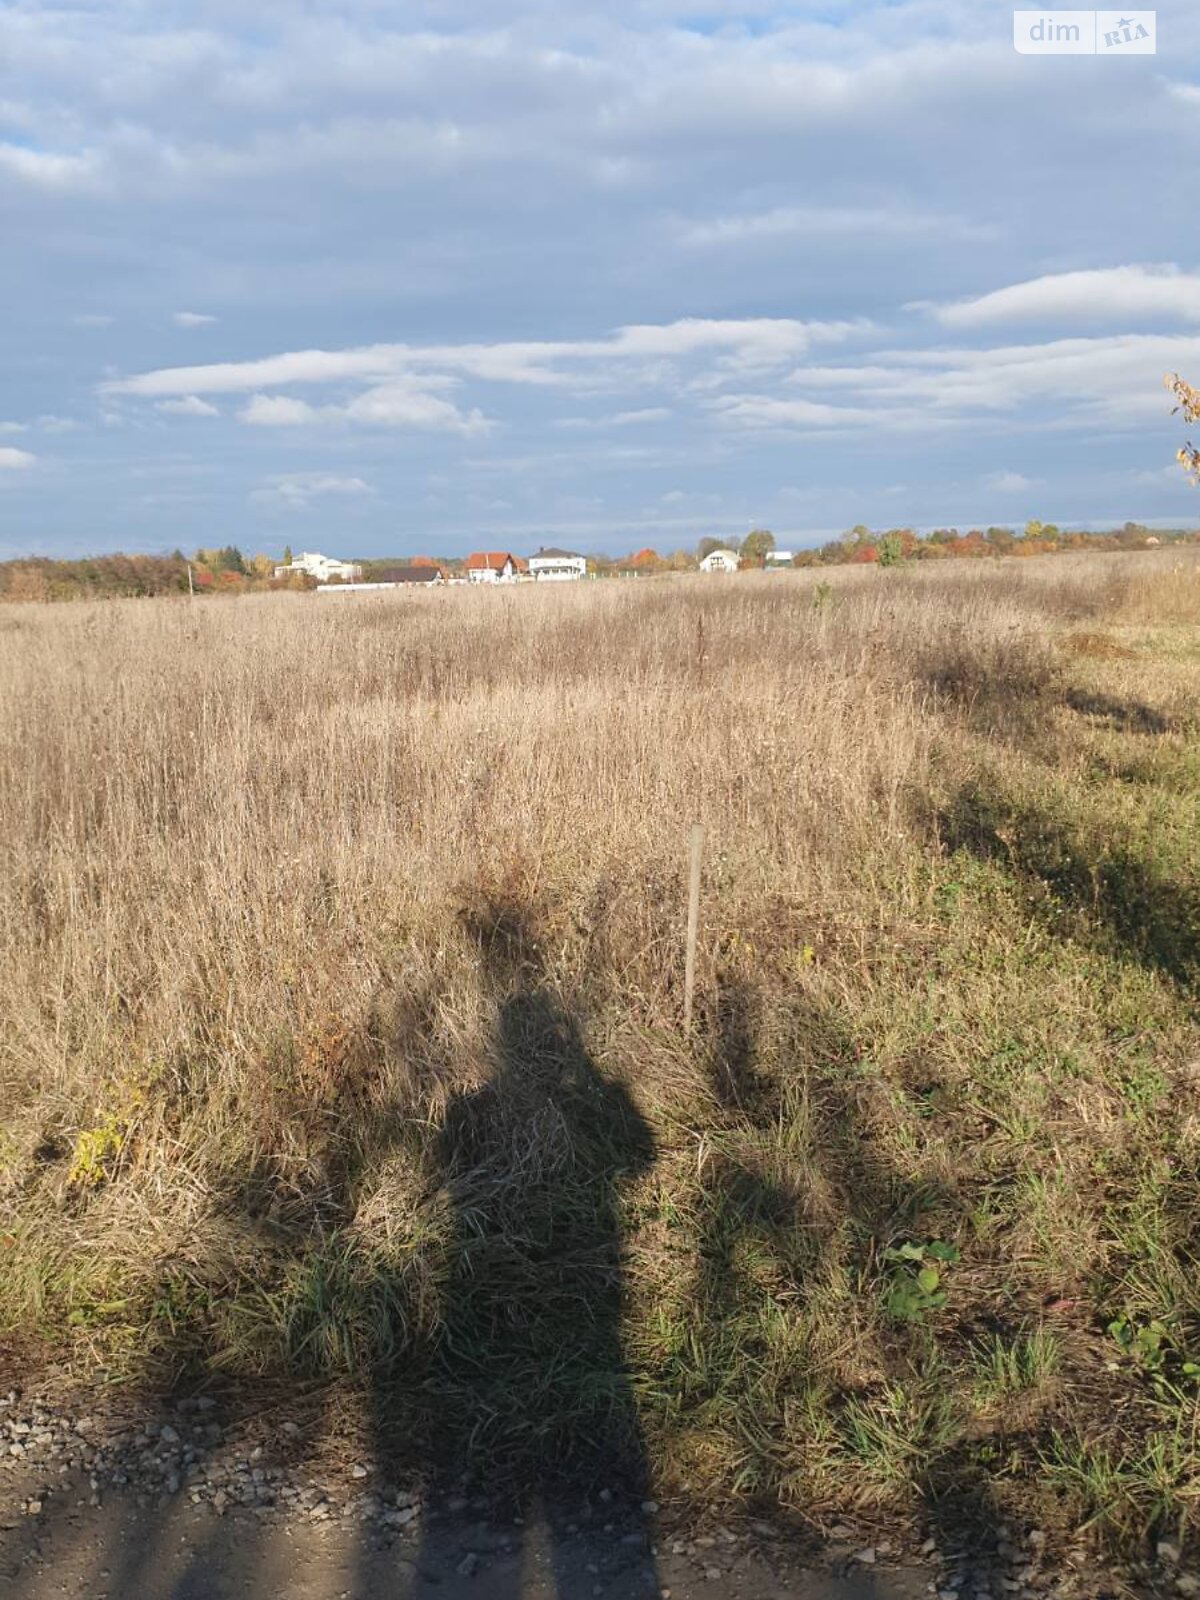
(894, 546)
(227, 571)
(120, 577)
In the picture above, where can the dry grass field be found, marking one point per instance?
(341, 999)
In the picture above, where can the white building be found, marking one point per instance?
(494, 566)
(557, 566)
(779, 558)
(323, 568)
(719, 561)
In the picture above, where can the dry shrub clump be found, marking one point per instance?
(342, 992)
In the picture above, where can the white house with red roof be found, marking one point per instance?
(494, 566)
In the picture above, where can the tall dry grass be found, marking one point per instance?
(248, 849)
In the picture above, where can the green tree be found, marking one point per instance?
(287, 555)
(757, 544)
(891, 550)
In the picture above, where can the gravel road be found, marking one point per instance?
(183, 1501)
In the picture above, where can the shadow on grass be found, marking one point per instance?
(1105, 892)
(491, 1333)
(784, 1231)
(490, 1329)
(1126, 716)
(527, 1369)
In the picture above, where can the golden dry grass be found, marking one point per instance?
(259, 858)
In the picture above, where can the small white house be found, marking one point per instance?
(779, 558)
(494, 566)
(323, 568)
(557, 566)
(719, 561)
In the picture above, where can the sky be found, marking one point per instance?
(379, 278)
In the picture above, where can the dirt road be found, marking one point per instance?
(123, 1552)
(109, 1498)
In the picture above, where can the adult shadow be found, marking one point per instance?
(526, 1380)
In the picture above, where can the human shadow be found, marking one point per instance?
(526, 1375)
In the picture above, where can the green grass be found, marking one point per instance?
(1006, 1366)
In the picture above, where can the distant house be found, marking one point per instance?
(778, 558)
(493, 566)
(323, 568)
(425, 575)
(557, 566)
(719, 561)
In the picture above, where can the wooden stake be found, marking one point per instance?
(695, 855)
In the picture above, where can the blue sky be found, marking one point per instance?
(381, 278)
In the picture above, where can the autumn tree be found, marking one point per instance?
(1188, 401)
(646, 560)
(757, 545)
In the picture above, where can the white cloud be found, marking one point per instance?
(400, 405)
(619, 419)
(14, 427)
(49, 423)
(813, 221)
(191, 319)
(13, 460)
(389, 405)
(752, 373)
(1113, 379)
(1114, 293)
(765, 411)
(697, 498)
(278, 411)
(299, 489)
(745, 343)
(235, 377)
(629, 419)
(1009, 482)
(44, 169)
(188, 405)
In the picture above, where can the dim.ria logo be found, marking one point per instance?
(1085, 33)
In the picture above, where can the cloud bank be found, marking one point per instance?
(770, 261)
